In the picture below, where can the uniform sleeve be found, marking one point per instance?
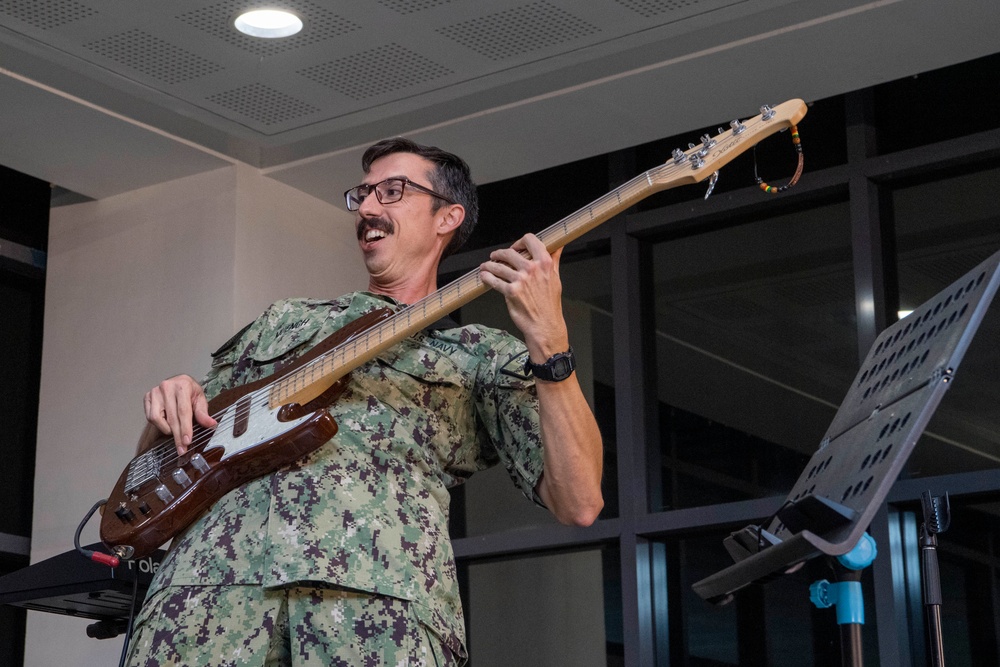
(507, 407)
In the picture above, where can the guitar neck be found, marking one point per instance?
(692, 166)
(300, 387)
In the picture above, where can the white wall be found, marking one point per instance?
(141, 286)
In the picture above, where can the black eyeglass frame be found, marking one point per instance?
(375, 188)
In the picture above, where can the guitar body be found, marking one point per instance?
(160, 493)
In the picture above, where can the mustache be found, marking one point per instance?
(380, 224)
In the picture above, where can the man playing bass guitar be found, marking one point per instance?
(343, 558)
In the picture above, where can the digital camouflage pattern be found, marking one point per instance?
(249, 626)
(369, 509)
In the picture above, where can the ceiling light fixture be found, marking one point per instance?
(268, 23)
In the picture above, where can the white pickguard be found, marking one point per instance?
(263, 425)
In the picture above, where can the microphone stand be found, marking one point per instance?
(937, 518)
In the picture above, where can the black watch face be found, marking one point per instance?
(562, 368)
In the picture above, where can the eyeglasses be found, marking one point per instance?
(388, 191)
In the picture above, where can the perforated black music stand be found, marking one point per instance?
(900, 384)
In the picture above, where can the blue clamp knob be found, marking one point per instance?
(845, 595)
(819, 594)
(862, 555)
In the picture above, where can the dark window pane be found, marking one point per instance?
(944, 229)
(511, 208)
(756, 347)
(939, 105)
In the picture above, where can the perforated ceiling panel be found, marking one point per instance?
(46, 14)
(519, 30)
(412, 6)
(321, 24)
(375, 72)
(651, 8)
(262, 104)
(153, 57)
(354, 60)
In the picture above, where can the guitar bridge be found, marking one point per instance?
(144, 468)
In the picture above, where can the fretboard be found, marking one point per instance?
(691, 166)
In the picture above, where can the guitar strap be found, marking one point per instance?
(445, 322)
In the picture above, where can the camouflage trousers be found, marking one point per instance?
(230, 626)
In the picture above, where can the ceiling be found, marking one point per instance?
(105, 96)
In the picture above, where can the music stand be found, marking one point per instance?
(902, 380)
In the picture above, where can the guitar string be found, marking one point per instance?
(167, 453)
(260, 398)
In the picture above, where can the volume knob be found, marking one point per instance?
(124, 513)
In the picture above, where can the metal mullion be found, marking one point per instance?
(893, 643)
(22, 259)
(975, 483)
(632, 304)
(876, 302)
(933, 158)
(17, 545)
(872, 245)
(536, 539)
(708, 516)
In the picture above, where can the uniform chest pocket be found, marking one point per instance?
(273, 345)
(422, 375)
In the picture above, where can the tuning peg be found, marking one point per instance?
(711, 184)
(679, 156)
(707, 142)
(737, 126)
(766, 112)
(696, 161)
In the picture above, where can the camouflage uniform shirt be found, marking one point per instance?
(369, 509)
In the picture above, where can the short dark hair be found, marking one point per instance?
(451, 178)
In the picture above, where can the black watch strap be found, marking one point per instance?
(556, 368)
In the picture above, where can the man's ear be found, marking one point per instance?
(449, 218)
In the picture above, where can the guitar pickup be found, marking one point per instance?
(242, 420)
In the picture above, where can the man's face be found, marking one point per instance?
(398, 239)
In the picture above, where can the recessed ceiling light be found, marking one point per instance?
(268, 23)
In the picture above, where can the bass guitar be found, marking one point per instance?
(268, 424)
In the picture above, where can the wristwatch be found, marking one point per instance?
(556, 368)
